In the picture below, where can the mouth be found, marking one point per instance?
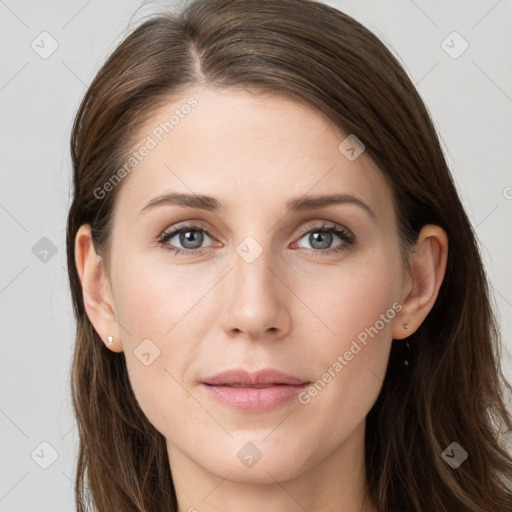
(249, 386)
(254, 392)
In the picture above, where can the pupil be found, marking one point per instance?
(324, 238)
(191, 236)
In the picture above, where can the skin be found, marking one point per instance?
(287, 310)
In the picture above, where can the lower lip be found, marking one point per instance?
(255, 399)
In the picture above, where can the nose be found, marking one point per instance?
(257, 300)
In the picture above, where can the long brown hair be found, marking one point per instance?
(452, 390)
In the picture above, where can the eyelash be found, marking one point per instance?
(342, 233)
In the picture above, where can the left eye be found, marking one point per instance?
(321, 238)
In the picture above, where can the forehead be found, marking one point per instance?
(251, 151)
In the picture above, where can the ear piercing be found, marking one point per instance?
(110, 340)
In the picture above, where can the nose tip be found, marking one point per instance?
(257, 306)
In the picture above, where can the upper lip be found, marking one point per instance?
(244, 378)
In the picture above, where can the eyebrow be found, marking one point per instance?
(208, 203)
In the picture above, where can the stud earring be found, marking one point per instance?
(110, 340)
(406, 326)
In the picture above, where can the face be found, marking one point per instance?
(254, 284)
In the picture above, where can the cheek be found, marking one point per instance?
(354, 311)
(152, 298)
(158, 309)
(344, 300)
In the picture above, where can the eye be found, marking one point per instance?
(190, 237)
(320, 238)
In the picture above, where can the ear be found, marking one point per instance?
(428, 266)
(96, 289)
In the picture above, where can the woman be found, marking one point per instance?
(280, 301)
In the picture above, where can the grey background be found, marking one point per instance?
(469, 97)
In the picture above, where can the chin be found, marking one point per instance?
(251, 461)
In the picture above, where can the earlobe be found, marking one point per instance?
(428, 266)
(96, 289)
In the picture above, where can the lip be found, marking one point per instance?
(242, 377)
(260, 391)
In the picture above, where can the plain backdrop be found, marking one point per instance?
(50, 52)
